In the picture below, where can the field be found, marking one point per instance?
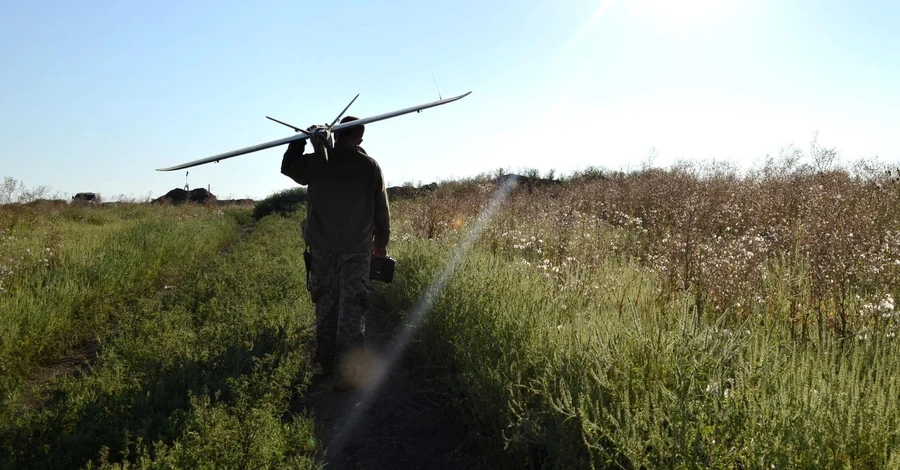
(694, 316)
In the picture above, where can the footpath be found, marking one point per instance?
(400, 424)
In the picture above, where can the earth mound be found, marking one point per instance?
(409, 191)
(180, 196)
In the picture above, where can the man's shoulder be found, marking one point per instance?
(361, 151)
(368, 158)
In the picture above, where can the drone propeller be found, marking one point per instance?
(295, 128)
(342, 112)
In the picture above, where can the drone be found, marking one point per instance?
(319, 135)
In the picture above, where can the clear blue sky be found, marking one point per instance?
(96, 96)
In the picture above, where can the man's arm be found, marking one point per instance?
(294, 164)
(382, 215)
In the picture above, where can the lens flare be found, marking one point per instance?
(377, 368)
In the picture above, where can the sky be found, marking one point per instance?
(97, 96)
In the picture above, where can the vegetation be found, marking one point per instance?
(146, 336)
(679, 318)
(694, 316)
(283, 203)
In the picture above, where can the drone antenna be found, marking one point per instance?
(436, 86)
(342, 112)
(295, 128)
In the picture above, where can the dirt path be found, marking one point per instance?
(397, 425)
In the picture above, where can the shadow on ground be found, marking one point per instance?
(404, 425)
(72, 427)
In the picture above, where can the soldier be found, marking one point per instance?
(347, 224)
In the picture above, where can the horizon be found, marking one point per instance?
(102, 97)
(792, 160)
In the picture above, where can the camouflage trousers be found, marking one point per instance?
(339, 286)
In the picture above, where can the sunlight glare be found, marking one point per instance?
(381, 366)
(683, 11)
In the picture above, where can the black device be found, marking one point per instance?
(307, 261)
(382, 269)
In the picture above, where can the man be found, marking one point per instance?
(348, 223)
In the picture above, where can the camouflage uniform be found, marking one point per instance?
(348, 216)
(339, 286)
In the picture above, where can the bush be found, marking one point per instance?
(282, 203)
(242, 215)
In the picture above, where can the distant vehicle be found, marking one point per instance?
(87, 198)
(319, 136)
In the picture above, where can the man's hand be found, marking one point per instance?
(297, 146)
(293, 164)
(379, 252)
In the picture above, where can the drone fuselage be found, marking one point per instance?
(321, 139)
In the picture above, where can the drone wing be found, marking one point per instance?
(235, 153)
(401, 112)
(286, 140)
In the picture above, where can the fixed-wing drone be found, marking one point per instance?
(319, 135)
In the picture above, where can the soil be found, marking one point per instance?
(74, 363)
(400, 424)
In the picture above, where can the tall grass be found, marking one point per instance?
(203, 331)
(665, 318)
(681, 318)
(67, 273)
(553, 378)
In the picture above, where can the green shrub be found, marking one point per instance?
(242, 215)
(283, 203)
(197, 375)
(553, 376)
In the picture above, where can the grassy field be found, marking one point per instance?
(150, 337)
(680, 318)
(661, 318)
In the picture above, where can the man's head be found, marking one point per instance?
(351, 136)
